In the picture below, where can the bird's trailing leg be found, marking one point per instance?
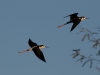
(24, 51)
(61, 25)
(64, 24)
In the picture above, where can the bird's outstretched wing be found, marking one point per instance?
(75, 23)
(72, 16)
(39, 54)
(31, 43)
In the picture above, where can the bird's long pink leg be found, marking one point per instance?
(60, 25)
(23, 51)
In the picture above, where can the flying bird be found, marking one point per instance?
(36, 49)
(74, 19)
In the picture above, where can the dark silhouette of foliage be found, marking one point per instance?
(89, 36)
(76, 53)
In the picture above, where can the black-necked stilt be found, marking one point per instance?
(36, 49)
(74, 19)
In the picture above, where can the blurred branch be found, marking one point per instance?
(76, 53)
(82, 57)
(90, 36)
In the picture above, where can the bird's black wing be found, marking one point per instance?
(73, 16)
(39, 54)
(31, 43)
(75, 23)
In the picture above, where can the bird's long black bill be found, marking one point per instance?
(87, 18)
(46, 47)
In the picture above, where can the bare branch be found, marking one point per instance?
(76, 53)
(84, 36)
(85, 62)
(88, 37)
(81, 59)
(98, 52)
(91, 63)
(96, 44)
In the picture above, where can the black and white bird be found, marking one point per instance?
(74, 19)
(36, 49)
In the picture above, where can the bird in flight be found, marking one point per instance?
(74, 19)
(36, 49)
